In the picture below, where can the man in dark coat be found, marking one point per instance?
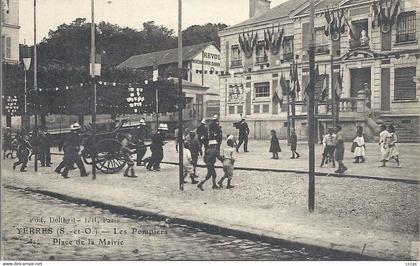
(71, 152)
(44, 148)
(158, 141)
(139, 134)
(215, 132)
(22, 153)
(243, 135)
(195, 149)
(203, 135)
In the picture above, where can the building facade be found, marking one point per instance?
(201, 64)
(378, 67)
(10, 31)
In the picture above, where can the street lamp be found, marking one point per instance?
(27, 65)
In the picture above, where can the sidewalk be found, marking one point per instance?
(376, 218)
(259, 157)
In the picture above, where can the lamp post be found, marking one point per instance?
(92, 73)
(26, 64)
(181, 154)
(35, 90)
(311, 112)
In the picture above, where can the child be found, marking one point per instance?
(210, 157)
(339, 150)
(22, 153)
(329, 143)
(383, 143)
(358, 147)
(275, 145)
(293, 144)
(188, 163)
(393, 151)
(126, 151)
(228, 163)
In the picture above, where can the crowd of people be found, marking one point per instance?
(205, 141)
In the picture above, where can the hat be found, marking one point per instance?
(163, 127)
(213, 142)
(142, 122)
(215, 117)
(75, 126)
(203, 121)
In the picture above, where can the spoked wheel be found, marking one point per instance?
(109, 159)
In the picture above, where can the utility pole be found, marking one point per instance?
(288, 113)
(180, 130)
(311, 113)
(36, 92)
(333, 91)
(92, 73)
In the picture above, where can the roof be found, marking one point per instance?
(189, 84)
(164, 57)
(279, 11)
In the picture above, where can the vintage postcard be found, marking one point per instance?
(194, 130)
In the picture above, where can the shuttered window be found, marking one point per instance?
(405, 87)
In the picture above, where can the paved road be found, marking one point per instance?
(175, 242)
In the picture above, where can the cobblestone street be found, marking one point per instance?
(176, 243)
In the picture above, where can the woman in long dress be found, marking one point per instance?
(383, 143)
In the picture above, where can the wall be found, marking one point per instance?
(11, 29)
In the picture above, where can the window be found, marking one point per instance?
(288, 48)
(197, 71)
(405, 87)
(231, 110)
(321, 41)
(265, 108)
(7, 50)
(240, 109)
(261, 53)
(406, 27)
(236, 56)
(262, 89)
(256, 109)
(360, 30)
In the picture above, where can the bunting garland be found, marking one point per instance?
(385, 14)
(335, 24)
(248, 42)
(273, 39)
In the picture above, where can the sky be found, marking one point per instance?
(131, 13)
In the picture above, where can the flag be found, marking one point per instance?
(339, 85)
(324, 92)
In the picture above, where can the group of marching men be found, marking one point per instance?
(25, 145)
(208, 136)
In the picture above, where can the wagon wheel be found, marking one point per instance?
(109, 159)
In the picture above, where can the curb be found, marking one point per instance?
(248, 233)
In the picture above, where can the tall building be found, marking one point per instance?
(10, 31)
(377, 65)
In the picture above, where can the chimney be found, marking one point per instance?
(258, 7)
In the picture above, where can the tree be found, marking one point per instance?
(202, 33)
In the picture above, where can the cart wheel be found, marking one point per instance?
(109, 159)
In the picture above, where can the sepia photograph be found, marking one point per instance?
(210, 131)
